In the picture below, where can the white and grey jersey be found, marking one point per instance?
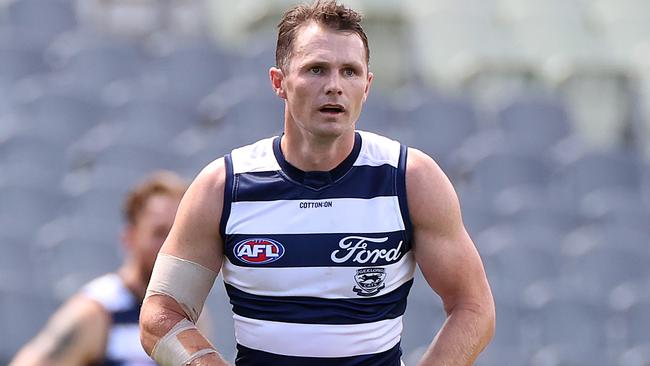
(123, 347)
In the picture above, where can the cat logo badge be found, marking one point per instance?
(369, 280)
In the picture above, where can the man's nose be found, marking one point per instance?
(333, 85)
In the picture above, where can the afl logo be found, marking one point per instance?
(258, 250)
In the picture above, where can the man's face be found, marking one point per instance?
(146, 236)
(325, 82)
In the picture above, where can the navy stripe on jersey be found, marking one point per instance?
(130, 316)
(401, 194)
(313, 310)
(270, 186)
(251, 357)
(316, 250)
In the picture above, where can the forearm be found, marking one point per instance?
(74, 335)
(466, 332)
(159, 316)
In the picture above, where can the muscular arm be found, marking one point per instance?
(451, 265)
(194, 237)
(75, 335)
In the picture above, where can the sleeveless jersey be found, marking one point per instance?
(317, 265)
(123, 347)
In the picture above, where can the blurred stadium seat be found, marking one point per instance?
(533, 124)
(570, 333)
(209, 66)
(591, 270)
(43, 117)
(37, 23)
(588, 181)
(31, 162)
(87, 64)
(13, 306)
(498, 172)
(18, 61)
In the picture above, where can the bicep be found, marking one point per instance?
(450, 264)
(193, 241)
(443, 249)
(195, 233)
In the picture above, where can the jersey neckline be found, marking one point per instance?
(317, 179)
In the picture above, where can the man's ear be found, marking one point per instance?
(365, 93)
(277, 77)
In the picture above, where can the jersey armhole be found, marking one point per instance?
(227, 197)
(401, 193)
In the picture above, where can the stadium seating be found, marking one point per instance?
(87, 64)
(18, 61)
(209, 67)
(25, 20)
(12, 305)
(534, 124)
(534, 109)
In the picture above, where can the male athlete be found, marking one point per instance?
(99, 325)
(318, 231)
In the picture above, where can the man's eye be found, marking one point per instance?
(316, 70)
(349, 72)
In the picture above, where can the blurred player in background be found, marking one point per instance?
(99, 325)
(318, 230)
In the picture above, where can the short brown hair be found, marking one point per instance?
(162, 182)
(328, 13)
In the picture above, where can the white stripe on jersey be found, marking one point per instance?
(347, 215)
(257, 157)
(321, 282)
(109, 290)
(318, 340)
(377, 150)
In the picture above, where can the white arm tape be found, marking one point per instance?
(201, 353)
(169, 351)
(186, 282)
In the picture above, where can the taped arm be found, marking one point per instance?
(75, 335)
(450, 263)
(188, 263)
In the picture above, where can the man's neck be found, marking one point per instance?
(309, 153)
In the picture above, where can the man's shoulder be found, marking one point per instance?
(422, 166)
(431, 196)
(108, 291)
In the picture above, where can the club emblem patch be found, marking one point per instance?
(369, 280)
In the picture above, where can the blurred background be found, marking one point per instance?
(539, 112)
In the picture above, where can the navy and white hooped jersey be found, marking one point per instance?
(318, 265)
(123, 347)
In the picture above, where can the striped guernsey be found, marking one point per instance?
(123, 346)
(318, 264)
